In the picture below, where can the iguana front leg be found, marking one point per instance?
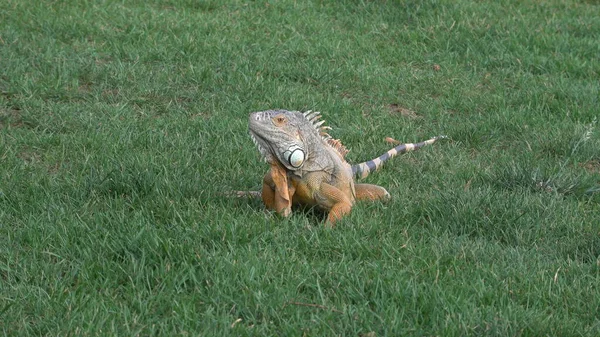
(277, 193)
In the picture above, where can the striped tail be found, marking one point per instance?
(362, 170)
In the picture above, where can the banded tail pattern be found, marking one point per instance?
(362, 170)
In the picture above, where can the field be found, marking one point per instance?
(124, 123)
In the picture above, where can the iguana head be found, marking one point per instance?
(285, 136)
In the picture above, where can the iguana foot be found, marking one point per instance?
(371, 192)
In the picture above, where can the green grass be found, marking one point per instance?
(122, 122)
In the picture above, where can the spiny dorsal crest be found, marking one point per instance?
(313, 117)
(338, 146)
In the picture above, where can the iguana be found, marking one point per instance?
(308, 166)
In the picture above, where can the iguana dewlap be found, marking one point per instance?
(308, 166)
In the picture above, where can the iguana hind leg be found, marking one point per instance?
(371, 192)
(335, 200)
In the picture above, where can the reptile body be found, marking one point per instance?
(308, 167)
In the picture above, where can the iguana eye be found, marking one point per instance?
(279, 120)
(295, 156)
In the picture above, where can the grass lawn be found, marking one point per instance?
(123, 122)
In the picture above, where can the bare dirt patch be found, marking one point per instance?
(10, 117)
(396, 109)
(592, 166)
(30, 157)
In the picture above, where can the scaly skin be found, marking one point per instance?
(308, 167)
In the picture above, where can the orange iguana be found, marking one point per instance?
(308, 166)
